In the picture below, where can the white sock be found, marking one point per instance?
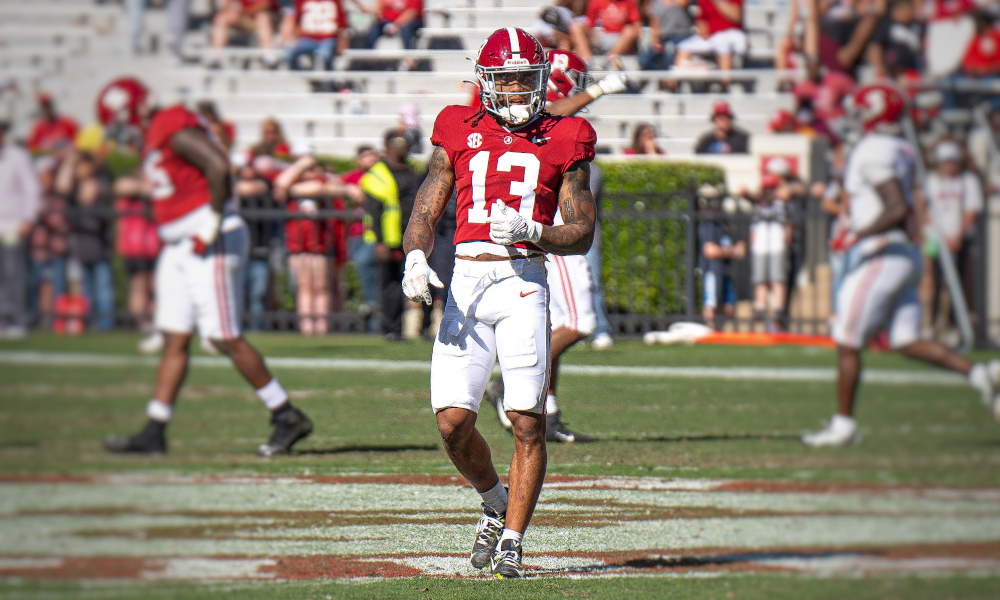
(550, 405)
(841, 422)
(496, 498)
(272, 394)
(979, 376)
(509, 534)
(159, 411)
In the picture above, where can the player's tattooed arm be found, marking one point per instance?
(894, 212)
(579, 212)
(432, 199)
(195, 147)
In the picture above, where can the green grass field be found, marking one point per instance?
(708, 477)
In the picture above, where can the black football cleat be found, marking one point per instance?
(290, 426)
(555, 431)
(151, 440)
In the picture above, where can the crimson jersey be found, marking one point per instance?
(522, 168)
(178, 187)
(319, 19)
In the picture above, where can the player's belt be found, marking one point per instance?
(497, 257)
(490, 273)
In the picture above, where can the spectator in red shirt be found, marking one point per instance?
(52, 131)
(982, 59)
(308, 188)
(321, 29)
(247, 15)
(270, 155)
(722, 34)
(620, 24)
(397, 17)
(308, 239)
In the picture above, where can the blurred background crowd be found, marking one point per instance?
(74, 207)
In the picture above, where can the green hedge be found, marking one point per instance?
(644, 267)
(655, 177)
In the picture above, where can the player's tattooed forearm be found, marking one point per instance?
(576, 203)
(432, 198)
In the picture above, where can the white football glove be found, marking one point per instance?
(207, 232)
(417, 276)
(615, 83)
(507, 226)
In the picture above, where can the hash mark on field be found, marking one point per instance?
(790, 374)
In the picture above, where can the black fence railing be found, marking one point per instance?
(653, 269)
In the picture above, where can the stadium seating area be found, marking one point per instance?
(71, 48)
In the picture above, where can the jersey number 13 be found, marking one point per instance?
(480, 164)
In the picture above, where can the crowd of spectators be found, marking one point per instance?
(836, 42)
(317, 30)
(79, 247)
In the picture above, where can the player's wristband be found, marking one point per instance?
(595, 90)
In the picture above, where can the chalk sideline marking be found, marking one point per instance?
(799, 374)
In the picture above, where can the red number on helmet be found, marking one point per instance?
(569, 75)
(513, 73)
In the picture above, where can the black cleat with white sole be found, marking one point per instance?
(151, 440)
(506, 563)
(290, 426)
(555, 431)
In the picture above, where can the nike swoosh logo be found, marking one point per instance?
(523, 294)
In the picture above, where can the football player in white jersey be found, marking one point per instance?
(880, 290)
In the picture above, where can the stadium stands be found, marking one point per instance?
(72, 47)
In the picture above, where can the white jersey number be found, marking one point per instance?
(319, 18)
(158, 177)
(480, 164)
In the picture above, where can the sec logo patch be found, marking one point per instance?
(475, 140)
(508, 140)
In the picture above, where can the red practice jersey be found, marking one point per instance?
(716, 20)
(522, 168)
(178, 186)
(319, 19)
(612, 15)
(391, 9)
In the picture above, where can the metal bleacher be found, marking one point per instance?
(71, 48)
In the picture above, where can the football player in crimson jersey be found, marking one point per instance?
(512, 166)
(880, 289)
(197, 277)
(571, 283)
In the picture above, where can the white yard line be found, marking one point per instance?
(794, 374)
